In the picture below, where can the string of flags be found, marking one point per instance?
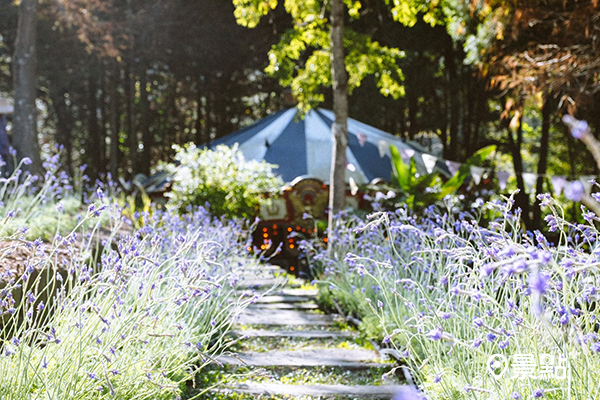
(573, 189)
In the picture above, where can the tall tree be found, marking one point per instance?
(25, 138)
(339, 128)
(307, 58)
(544, 50)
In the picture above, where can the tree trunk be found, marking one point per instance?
(113, 118)
(145, 124)
(199, 138)
(104, 121)
(25, 140)
(64, 127)
(413, 106)
(543, 161)
(469, 93)
(521, 198)
(208, 113)
(339, 129)
(453, 85)
(130, 116)
(94, 148)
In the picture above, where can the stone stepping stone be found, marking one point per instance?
(258, 316)
(362, 392)
(344, 358)
(286, 306)
(262, 333)
(283, 299)
(312, 293)
(262, 283)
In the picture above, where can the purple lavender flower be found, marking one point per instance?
(564, 318)
(574, 191)
(435, 334)
(491, 337)
(537, 393)
(487, 269)
(589, 216)
(552, 222)
(578, 127)
(538, 281)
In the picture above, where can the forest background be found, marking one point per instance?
(118, 82)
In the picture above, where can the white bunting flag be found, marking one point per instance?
(453, 167)
(362, 139)
(429, 162)
(384, 148)
(407, 154)
(502, 179)
(529, 179)
(477, 173)
(558, 183)
(353, 187)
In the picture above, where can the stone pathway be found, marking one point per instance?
(298, 352)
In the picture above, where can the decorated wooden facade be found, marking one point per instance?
(300, 212)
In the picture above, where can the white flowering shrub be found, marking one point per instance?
(220, 179)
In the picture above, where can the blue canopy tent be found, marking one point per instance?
(302, 147)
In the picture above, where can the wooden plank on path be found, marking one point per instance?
(332, 357)
(262, 283)
(362, 392)
(286, 306)
(283, 299)
(257, 316)
(309, 334)
(299, 292)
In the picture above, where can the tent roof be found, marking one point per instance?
(303, 146)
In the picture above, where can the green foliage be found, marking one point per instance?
(427, 189)
(302, 61)
(222, 179)
(476, 24)
(44, 221)
(457, 180)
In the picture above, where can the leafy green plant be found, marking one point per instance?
(426, 189)
(220, 179)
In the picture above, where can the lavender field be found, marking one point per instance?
(452, 298)
(109, 308)
(102, 297)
